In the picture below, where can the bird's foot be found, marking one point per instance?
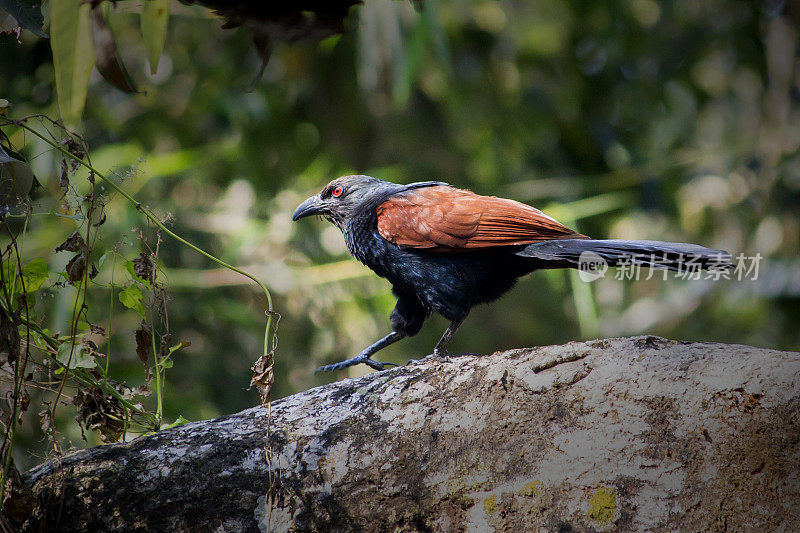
(441, 355)
(360, 358)
(446, 357)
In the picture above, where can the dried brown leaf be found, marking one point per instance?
(18, 501)
(74, 243)
(144, 339)
(263, 376)
(9, 336)
(46, 420)
(76, 268)
(24, 402)
(108, 62)
(143, 390)
(75, 148)
(143, 267)
(63, 180)
(100, 220)
(101, 413)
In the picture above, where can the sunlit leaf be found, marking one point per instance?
(155, 16)
(178, 422)
(131, 297)
(73, 55)
(34, 274)
(81, 358)
(108, 62)
(181, 345)
(29, 306)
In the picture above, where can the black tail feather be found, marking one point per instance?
(656, 254)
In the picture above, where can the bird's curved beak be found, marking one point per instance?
(312, 206)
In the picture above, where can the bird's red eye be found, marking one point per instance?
(337, 192)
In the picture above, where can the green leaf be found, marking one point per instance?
(167, 362)
(34, 274)
(131, 297)
(73, 55)
(36, 339)
(29, 304)
(155, 16)
(9, 271)
(178, 422)
(181, 345)
(81, 358)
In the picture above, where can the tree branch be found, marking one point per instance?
(622, 434)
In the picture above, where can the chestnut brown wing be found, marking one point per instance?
(442, 218)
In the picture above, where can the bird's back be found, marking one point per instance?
(447, 279)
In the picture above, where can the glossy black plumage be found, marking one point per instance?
(441, 268)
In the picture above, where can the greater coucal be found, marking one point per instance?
(446, 250)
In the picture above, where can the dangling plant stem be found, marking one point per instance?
(149, 214)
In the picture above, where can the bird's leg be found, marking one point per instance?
(441, 346)
(366, 354)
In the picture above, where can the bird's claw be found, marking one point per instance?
(354, 361)
(377, 365)
(442, 356)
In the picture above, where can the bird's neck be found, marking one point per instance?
(360, 232)
(360, 228)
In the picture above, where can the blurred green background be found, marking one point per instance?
(675, 120)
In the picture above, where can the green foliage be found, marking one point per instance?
(131, 297)
(103, 404)
(154, 20)
(34, 274)
(178, 422)
(74, 356)
(73, 55)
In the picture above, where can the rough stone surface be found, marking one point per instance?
(611, 435)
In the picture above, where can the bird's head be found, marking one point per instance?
(341, 198)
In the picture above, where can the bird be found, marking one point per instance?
(445, 250)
